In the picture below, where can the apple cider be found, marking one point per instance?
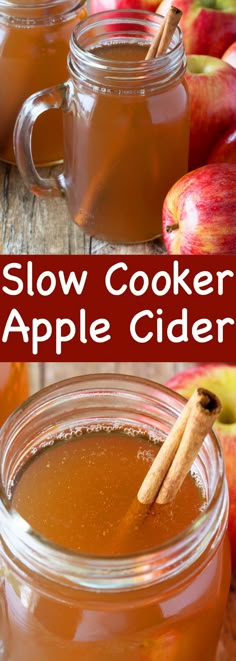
(136, 146)
(34, 44)
(101, 474)
(126, 127)
(14, 387)
(78, 583)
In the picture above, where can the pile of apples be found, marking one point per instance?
(221, 379)
(199, 212)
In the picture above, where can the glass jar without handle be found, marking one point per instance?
(61, 602)
(14, 387)
(126, 127)
(34, 44)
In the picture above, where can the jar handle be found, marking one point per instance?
(53, 97)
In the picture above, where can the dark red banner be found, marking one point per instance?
(105, 308)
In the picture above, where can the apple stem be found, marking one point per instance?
(171, 228)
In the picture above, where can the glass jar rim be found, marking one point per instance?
(133, 570)
(29, 14)
(84, 63)
(43, 4)
(140, 16)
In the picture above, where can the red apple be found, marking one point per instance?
(225, 149)
(230, 55)
(212, 91)
(220, 379)
(105, 5)
(208, 26)
(199, 212)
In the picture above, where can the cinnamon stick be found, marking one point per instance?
(164, 35)
(134, 517)
(179, 450)
(172, 462)
(159, 46)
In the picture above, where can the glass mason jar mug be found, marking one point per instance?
(126, 127)
(34, 43)
(57, 603)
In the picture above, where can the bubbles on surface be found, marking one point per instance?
(146, 455)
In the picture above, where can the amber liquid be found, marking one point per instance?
(14, 387)
(77, 494)
(95, 474)
(32, 59)
(123, 152)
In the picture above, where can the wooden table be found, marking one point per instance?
(33, 225)
(47, 373)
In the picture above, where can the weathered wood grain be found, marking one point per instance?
(159, 372)
(33, 225)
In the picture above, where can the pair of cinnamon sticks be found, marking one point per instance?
(180, 448)
(164, 35)
(173, 461)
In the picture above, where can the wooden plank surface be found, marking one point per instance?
(31, 225)
(42, 374)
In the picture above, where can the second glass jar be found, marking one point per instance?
(34, 44)
(14, 388)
